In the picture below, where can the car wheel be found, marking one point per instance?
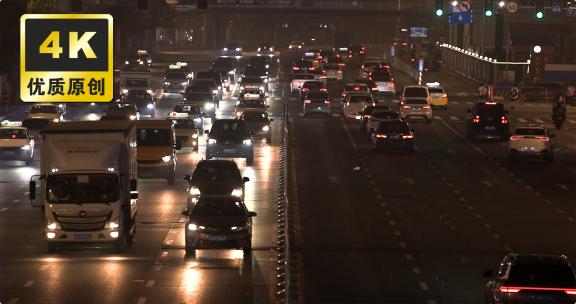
(190, 251)
(269, 139)
(250, 160)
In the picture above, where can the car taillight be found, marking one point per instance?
(327, 101)
(406, 107)
(404, 43)
(542, 138)
(356, 88)
(304, 89)
(362, 67)
(361, 52)
(339, 72)
(375, 89)
(295, 68)
(426, 107)
(504, 120)
(307, 101)
(349, 55)
(476, 119)
(444, 95)
(514, 137)
(323, 90)
(311, 68)
(322, 77)
(508, 289)
(406, 136)
(343, 95)
(380, 135)
(348, 103)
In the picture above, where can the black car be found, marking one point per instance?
(219, 222)
(215, 177)
(357, 50)
(531, 278)
(232, 49)
(143, 101)
(226, 66)
(201, 99)
(488, 119)
(206, 86)
(229, 138)
(393, 134)
(216, 76)
(258, 123)
(119, 110)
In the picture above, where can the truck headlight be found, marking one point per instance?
(26, 147)
(237, 192)
(209, 106)
(166, 83)
(166, 158)
(52, 224)
(124, 91)
(197, 119)
(266, 128)
(214, 91)
(184, 83)
(150, 106)
(112, 224)
(127, 62)
(247, 142)
(211, 141)
(194, 190)
(194, 135)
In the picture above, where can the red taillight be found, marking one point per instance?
(404, 43)
(327, 101)
(476, 119)
(361, 52)
(375, 89)
(514, 137)
(406, 107)
(295, 68)
(311, 68)
(507, 289)
(349, 55)
(356, 88)
(13, 136)
(323, 90)
(339, 72)
(341, 64)
(322, 77)
(307, 101)
(407, 136)
(380, 135)
(504, 120)
(362, 67)
(343, 94)
(304, 89)
(395, 43)
(542, 138)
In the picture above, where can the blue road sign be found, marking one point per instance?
(556, 7)
(571, 11)
(460, 18)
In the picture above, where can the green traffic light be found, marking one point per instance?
(488, 13)
(539, 15)
(439, 12)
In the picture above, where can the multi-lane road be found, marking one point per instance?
(371, 227)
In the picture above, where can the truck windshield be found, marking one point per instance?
(154, 137)
(82, 188)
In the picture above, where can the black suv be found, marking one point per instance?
(488, 119)
(531, 278)
(215, 177)
(230, 138)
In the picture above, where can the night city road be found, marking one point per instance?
(377, 152)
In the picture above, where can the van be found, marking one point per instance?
(156, 156)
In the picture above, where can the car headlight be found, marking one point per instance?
(211, 141)
(290, 47)
(56, 120)
(194, 190)
(192, 227)
(266, 128)
(124, 91)
(241, 88)
(209, 106)
(190, 75)
(127, 62)
(266, 80)
(299, 46)
(238, 228)
(166, 158)
(150, 106)
(261, 88)
(133, 117)
(259, 49)
(25, 147)
(225, 49)
(149, 91)
(231, 73)
(238, 49)
(247, 142)
(184, 83)
(271, 49)
(52, 224)
(237, 192)
(194, 135)
(166, 83)
(140, 62)
(197, 119)
(214, 91)
(149, 60)
(112, 224)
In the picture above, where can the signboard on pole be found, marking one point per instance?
(418, 32)
(571, 11)
(460, 18)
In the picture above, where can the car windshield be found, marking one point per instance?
(210, 172)
(12, 134)
(251, 80)
(215, 207)
(381, 77)
(188, 109)
(44, 109)
(203, 84)
(357, 99)
(82, 188)
(138, 96)
(436, 90)
(136, 83)
(542, 275)
(198, 96)
(254, 116)
(255, 103)
(393, 127)
(417, 101)
(490, 109)
(176, 75)
(416, 92)
(183, 124)
(385, 115)
(224, 127)
(530, 131)
(151, 137)
(313, 84)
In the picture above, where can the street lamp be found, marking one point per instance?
(537, 49)
(501, 4)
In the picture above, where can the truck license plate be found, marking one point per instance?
(489, 128)
(82, 236)
(229, 151)
(217, 238)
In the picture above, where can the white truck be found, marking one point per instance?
(87, 187)
(135, 79)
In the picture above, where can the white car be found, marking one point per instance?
(333, 71)
(46, 111)
(296, 45)
(355, 88)
(379, 114)
(367, 67)
(15, 143)
(353, 105)
(416, 107)
(298, 80)
(415, 91)
(531, 141)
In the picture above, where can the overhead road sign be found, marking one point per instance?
(461, 18)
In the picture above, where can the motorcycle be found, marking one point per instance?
(558, 121)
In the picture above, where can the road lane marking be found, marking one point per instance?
(454, 118)
(559, 210)
(402, 244)
(379, 196)
(392, 223)
(141, 300)
(571, 219)
(537, 193)
(388, 213)
(415, 270)
(158, 268)
(13, 301)
(528, 187)
(383, 204)
(496, 236)
(488, 226)
(486, 183)
(29, 283)
(437, 117)
(507, 248)
(397, 233)
(15, 201)
(3, 209)
(431, 302)
(464, 138)
(424, 286)
(150, 283)
(520, 119)
(538, 120)
(547, 202)
(409, 257)
(462, 199)
(352, 142)
(470, 207)
(478, 216)
(563, 187)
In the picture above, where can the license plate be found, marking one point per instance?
(229, 150)
(82, 236)
(435, 97)
(395, 136)
(217, 238)
(416, 109)
(489, 128)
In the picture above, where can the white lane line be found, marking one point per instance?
(464, 138)
(496, 236)
(409, 257)
(3, 209)
(15, 201)
(559, 210)
(486, 183)
(415, 270)
(571, 219)
(508, 248)
(431, 302)
(397, 233)
(454, 118)
(383, 204)
(462, 199)
(487, 226)
(537, 193)
(141, 300)
(450, 185)
(547, 202)
(376, 190)
(29, 283)
(538, 120)
(478, 216)
(392, 223)
(43, 267)
(528, 187)
(423, 286)
(336, 115)
(457, 191)
(520, 119)
(373, 182)
(437, 117)
(470, 207)
(379, 196)
(388, 213)
(352, 142)
(402, 244)
(13, 301)
(563, 187)
(463, 258)
(158, 268)
(150, 283)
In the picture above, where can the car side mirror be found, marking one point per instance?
(488, 274)
(252, 214)
(468, 111)
(207, 131)
(245, 179)
(32, 190)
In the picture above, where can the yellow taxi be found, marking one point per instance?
(438, 97)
